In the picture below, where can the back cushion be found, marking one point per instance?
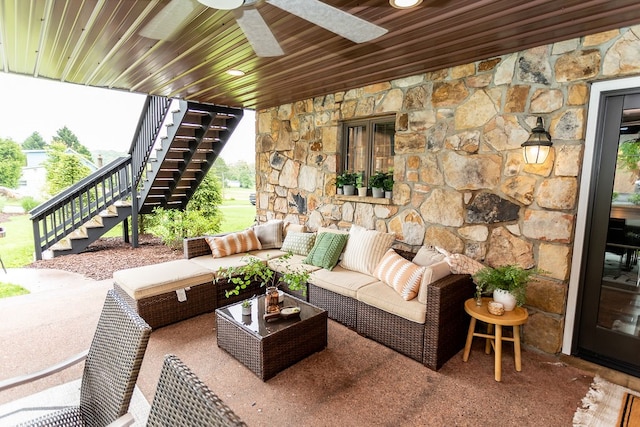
(327, 250)
(365, 248)
(233, 243)
(270, 234)
(298, 243)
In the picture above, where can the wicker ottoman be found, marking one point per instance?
(167, 292)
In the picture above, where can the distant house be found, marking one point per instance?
(34, 176)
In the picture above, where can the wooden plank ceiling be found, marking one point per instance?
(97, 43)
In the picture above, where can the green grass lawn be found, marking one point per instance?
(11, 290)
(238, 212)
(16, 249)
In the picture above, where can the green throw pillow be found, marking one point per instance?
(327, 250)
(298, 243)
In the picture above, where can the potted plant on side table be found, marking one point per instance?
(508, 283)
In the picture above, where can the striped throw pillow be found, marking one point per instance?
(270, 234)
(401, 274)
(233, 243)
(364, 250)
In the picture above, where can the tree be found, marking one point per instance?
(34, 142)
(221, 170)
(11, 162)
(242, 172)
(63, 169)
(69, 139)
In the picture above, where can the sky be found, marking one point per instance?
(102, 119)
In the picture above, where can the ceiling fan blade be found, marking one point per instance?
(169, 20)
(258, 33)
(330, 18)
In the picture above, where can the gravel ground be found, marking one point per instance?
(106, 255)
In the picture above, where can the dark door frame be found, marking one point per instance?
(591, 163)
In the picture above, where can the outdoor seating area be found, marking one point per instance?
(429, 325)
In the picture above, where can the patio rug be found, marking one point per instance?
(608, 404)
(55, 398)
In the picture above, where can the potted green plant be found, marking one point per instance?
(508, 283)
(362, 189)
(348, 181)
(257, 270)
(246, 307)
(388, 185)
(376, 182)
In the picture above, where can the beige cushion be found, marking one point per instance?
(432, 274)
(156, 279)
(340, 280)
(296, 262)
(331, 230)
(402, 275)
(214, 264)
(427, 255)
(270, 233)
(233, 243)
(267, 254)
(365, 248)
(293, 228)
(381, 296)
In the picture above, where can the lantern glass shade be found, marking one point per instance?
(536, 149)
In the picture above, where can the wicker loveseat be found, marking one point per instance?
(431, 334)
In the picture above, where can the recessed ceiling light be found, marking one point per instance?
(236, 73)
(404, 4)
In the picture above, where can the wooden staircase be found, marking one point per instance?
(163, 169)
(195, 137)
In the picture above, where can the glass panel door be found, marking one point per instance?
(610, 321)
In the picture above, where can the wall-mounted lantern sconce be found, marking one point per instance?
(536, 149)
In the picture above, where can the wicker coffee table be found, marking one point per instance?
(267, 348)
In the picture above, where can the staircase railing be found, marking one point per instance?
(149, 125)
(73, 207)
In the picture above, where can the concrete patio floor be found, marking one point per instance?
(354, 381)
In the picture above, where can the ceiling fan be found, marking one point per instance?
(174, 15)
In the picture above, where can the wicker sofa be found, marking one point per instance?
(431, 333)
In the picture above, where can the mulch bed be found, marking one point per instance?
(106, 255)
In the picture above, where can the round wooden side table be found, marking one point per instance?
(513, 318)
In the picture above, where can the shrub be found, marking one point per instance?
(28, 203)
(201, 216)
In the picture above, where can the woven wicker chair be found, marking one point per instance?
(110, 371)
(182, 400)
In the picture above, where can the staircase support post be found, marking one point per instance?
(134, 217)
(36, 239)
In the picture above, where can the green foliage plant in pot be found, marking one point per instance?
(362, 189)
(510, 279)
(388, 185)
(377, 183)
(257, 270)
(348, 180)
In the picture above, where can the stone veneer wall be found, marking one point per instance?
(461, 182)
